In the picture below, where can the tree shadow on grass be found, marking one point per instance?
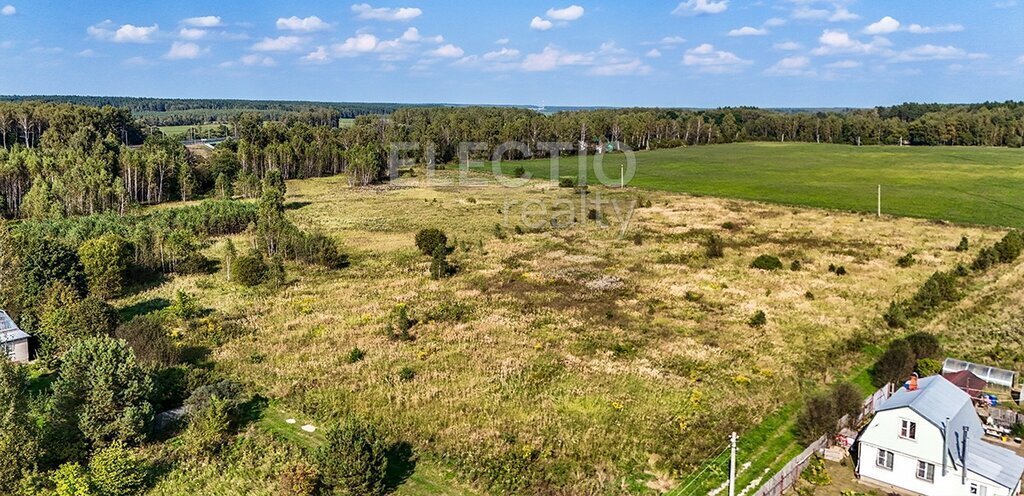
(252, 411)
(401, 465)
(143, 307)
(295, 205)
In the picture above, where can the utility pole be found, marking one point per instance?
(622, 175)
(879, 200)
(732, 466)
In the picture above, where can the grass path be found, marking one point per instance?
(429, 478)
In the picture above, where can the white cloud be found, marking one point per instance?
(318, 56)
(137, 61)
(838, 41)
(254, 59)
(884, 25)
(653, 53)
(367, 12)
(448, 51)
(1020, 60)
(698, 7)
(88, 52)
(844, 64)
(807, 13)
(183, 51)
(672, 40)
(552, 58)
(503, 54)
(707, 59)
(192, 33)
(570, 13)
(413, 35)
(630, 68)
(203, 22)
(1006, 4)
(787, 45)
(8, 10)
(540, 24)
(126, 33)
(279, 44)
(934, 52)
(502, 41)
(305, 25)
(775, 22)
(947, 28)
(841, 15)
(748, 31)
(360, 43)
(792, 66)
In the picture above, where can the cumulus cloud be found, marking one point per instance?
(502, 41)
(947, 28)
(413, 35)
(552, 58)
(503, 54)
(360, 43)
(841, 15)
(844, 64)
(934, 52)
(305, 25)
(401, 14)
(318, 56)
(192, 33)
(630, 68)
(126, 33)
(775, 22)
(137, 61)
(570, 13)
(884, 25)
(254, 59)
(748, 31)
(701, 7)
(8, 10)
(448, 51)
(540, 24)
(792, 66)
(203, 21)
(183, 51)
(838, 41)
(707, 59)
(653, 53)
(279, 44)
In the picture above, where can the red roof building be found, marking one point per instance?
(967, 382)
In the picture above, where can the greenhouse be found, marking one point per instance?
(996, 377)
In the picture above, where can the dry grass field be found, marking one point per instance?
(568, 359)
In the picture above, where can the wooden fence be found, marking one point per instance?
(787, 477)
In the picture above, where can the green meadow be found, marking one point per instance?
(957, 184)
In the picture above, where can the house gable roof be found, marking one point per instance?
(9, 331)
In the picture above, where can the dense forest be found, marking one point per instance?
(60, 159)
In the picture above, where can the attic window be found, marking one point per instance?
(908, 430)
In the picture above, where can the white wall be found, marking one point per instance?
(884, 432)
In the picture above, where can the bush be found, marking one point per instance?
(566, 182)
(356, 355)
(146, 336)
(406, 374)
(105, 260)
(353, 459)
(71, 479)
(905, 261)
(928, 366)
(250, 270)
(439, 266)
(895, 365)
(428, 240)
(818, 418)
(519, 171)
(400, 324)
(714, 247)
(319, 249)
(964, 244)
(795, 266)
(841, 271)
(924, 345)
(208, 428)
(299, 479)
(1009, 247)
(767, 262)
(115, 471)
(228, 392)
(986, 258)
(758, 320)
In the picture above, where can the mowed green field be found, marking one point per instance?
(958, 184)
(182, 130)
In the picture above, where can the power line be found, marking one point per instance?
(707, 465)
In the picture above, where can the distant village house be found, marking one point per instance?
(14, 343)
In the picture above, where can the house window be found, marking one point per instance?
(908, 430)
(926, 471)
(979, 489)
(8, 350)
(884, 459)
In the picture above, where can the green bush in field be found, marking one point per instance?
(714, 247)
(353, 459)
(428, 240)
(407, 374)
(767, 262)
(895, 365)
(823, 410)
(928, 366)
(116, 470)
(519, 171)
(356, 355)
(250, 270)
(105, 260)
(924, 345)
(566, 182)
(758, 320)
(905, 260)
(964, 244)
(71, 479)
(299, 479)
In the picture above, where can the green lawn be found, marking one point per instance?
(183, 130)
(959, 184)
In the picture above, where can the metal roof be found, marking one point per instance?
(945, 405)
(991, 375)
(9, 331)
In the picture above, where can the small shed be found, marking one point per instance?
(996, 377)
(14, 343)
(968, 383)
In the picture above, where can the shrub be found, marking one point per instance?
(71, 479)
(400, 324)
(730, 226)
(406, 374)
(208, 428)
(1009, 247)
(519, 171)
(809, 295)
(319, 249)
(299, 479)
(767, 262)
(924, 345)
(964, 244)
(714, 247)
(230, 393)
(986, 258)
(759, 319)
(105, 260)
(439, 266)
(356, 355)
(146, 336)
(832, 268)
(428, 240)
(895, 365)
(841, 271)
(896, 316)
(795, 266)
(847, 400)
(905, 261)
(250, 270)
(353, 459)
(115, 470)
(928, 366)
(566, 182)
(818, 418)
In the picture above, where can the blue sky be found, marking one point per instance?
(697, 53)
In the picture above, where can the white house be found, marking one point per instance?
(923, 436)
(14, 343)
